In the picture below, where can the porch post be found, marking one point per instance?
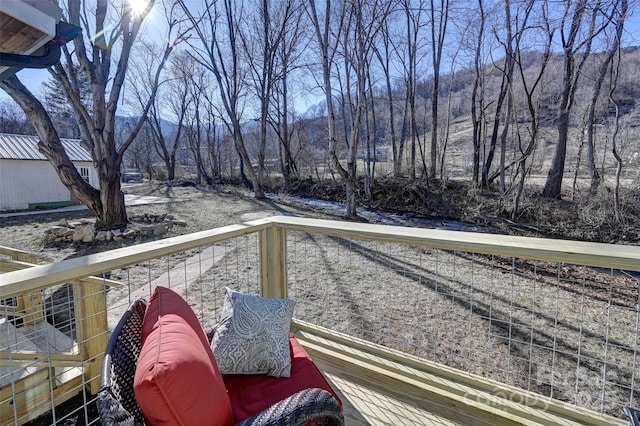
(91, 323)
(273, 262)
(30, 303)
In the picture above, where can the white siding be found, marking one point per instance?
(26, 181)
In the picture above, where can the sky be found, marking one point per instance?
(156, 28)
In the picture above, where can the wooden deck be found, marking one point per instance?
(380, 386)
(366, 406)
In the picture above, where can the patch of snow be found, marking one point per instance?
(373, 216)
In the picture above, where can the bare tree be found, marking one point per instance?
(201, 125)
(413, 14)
(439, 20)
(173, 100)
(528, 141)
(383, 52)
(327, 47)
(94, 56)
(619, 18)
(507, 75)
(355, 40)
(218, 49)
(477, 102)
(140, 154)
(271, 20)
(615, 72)
(576, 45)
(290, 49)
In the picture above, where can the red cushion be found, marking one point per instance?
(177, 381)
(250, 394)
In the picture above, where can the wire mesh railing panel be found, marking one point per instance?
(200, 276)
(564, 331)
(54, 385)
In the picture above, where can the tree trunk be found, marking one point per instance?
(571, 76)
(553, 185)
(107, 204)
(476, 98)
(437, 44)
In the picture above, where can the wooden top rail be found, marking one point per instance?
(43, 276)
(23, 256)
(573, 252)
(14, 265)
(623, 257)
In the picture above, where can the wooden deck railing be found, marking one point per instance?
(25, 278)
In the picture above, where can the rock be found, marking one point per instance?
(130, 233)
(63, 222)
(101, 235)
(57, 231)
(160, 229)
(89, 237)
(147, 228)
(83, 232)
(77, 236)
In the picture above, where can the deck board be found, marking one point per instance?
(367, 406)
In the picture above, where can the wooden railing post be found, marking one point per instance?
(91, 328)
(30, 303)
(273, 262)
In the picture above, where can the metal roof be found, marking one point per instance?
(22, 147)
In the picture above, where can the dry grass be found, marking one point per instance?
(563, 331)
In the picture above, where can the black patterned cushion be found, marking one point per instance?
(252, 336)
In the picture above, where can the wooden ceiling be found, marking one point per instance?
(26, 26)
(18, 37)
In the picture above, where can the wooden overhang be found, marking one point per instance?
(31, 32)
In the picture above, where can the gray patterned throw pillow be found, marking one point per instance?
(252, 336)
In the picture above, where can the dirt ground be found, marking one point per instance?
(200, 209)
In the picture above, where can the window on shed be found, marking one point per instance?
(84, 172)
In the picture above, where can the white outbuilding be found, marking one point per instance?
(29, 181)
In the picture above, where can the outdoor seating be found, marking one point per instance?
(247, 399)
(633, 414)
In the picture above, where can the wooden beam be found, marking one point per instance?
(23, 256)
(616, 256)
(38, 359)
(43, 276)
(36, 404)
(92, 330)
(273, 262)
